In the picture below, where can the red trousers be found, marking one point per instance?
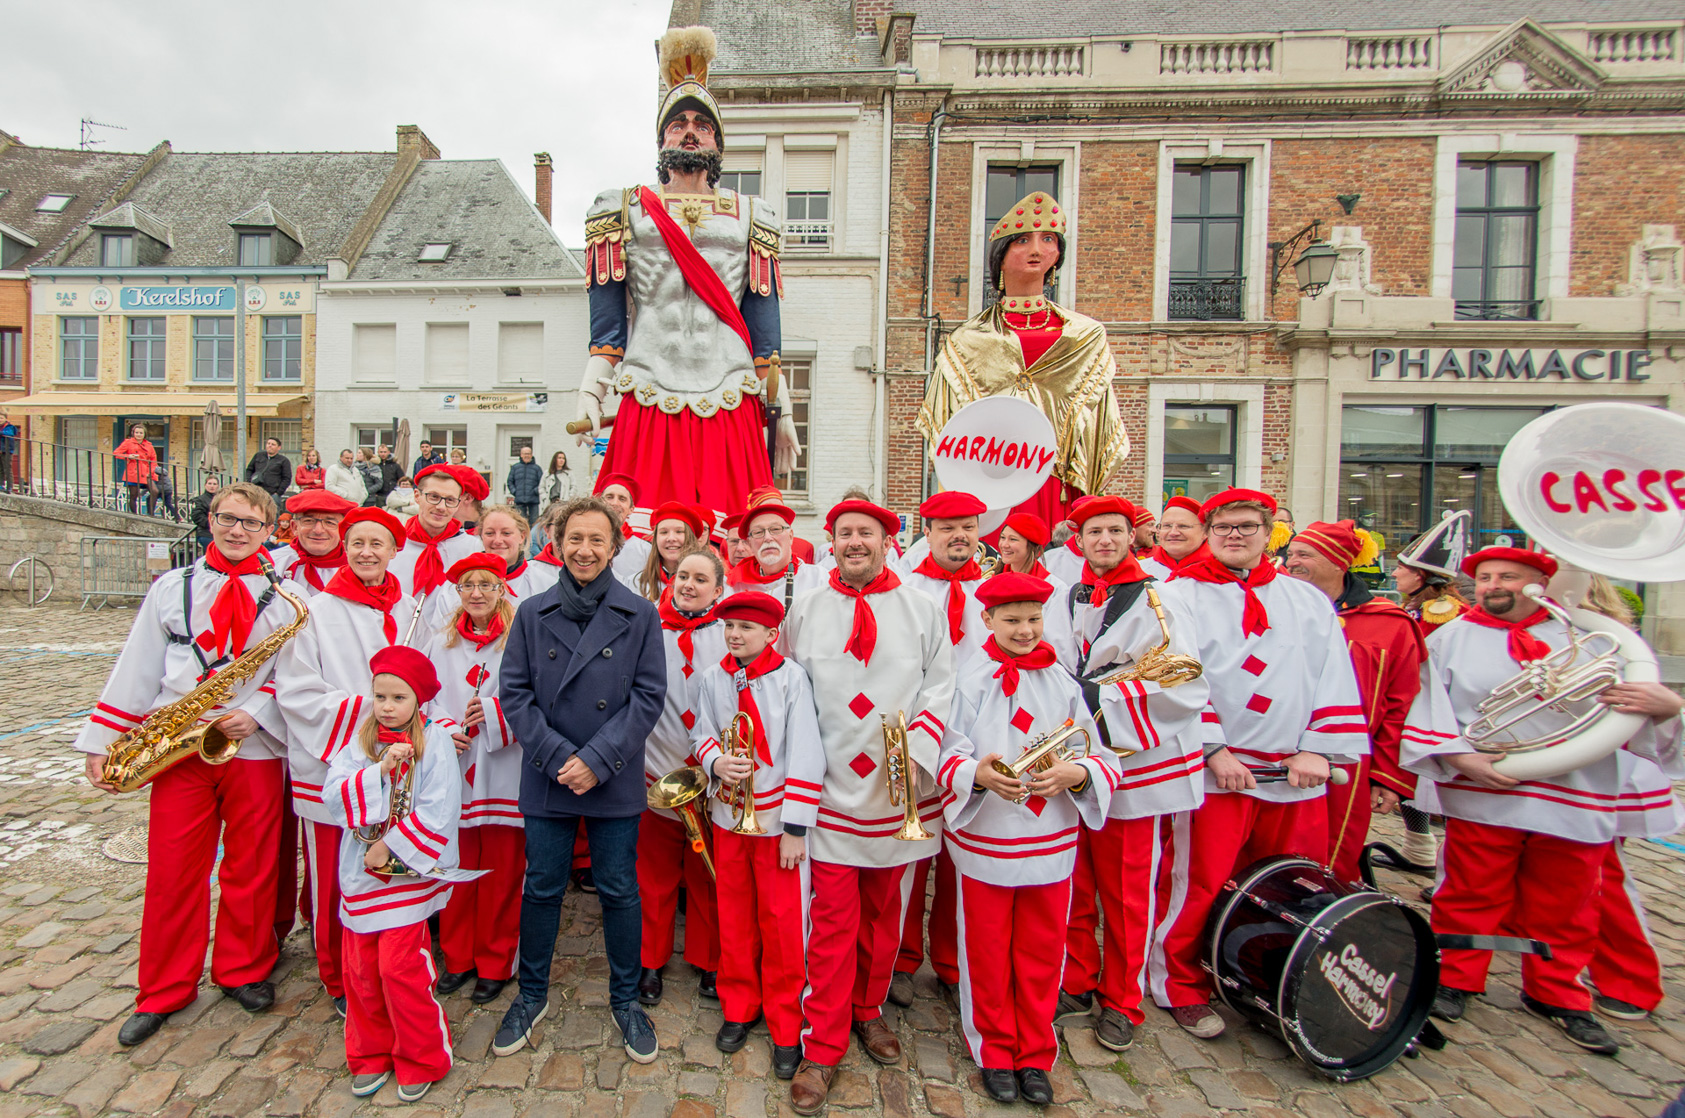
(944, 949)
(1348, 820)
(1624, 965)
(286, 883)
(1117, 866)
(193, 804)
(856, 915)
(480, 927)
(1504, 881)
(763, 964)
(392, 1019)
(1228, 832)
(665, 860)
(327, 934)
(1009, 979)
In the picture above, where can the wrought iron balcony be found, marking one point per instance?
(1211, 298)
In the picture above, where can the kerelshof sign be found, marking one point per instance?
(1509, 364)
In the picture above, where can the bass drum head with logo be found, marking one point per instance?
(1356, 997)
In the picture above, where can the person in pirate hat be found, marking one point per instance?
(699, 369)
(1023, 344)
(1426, 573)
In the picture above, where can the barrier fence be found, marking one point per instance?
(97, 479)
(126, 566)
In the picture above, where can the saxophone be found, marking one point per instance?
(173, 733)
(1158, 664)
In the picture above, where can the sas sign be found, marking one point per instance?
(1509, 364)
(177, 300)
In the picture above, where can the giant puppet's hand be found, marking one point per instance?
(788, 448)
(594, 387)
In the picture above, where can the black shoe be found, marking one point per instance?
(1113, 1031)
(339, 1006)
(254, 997)
(785, 1060)
(1033, 1086)
(1074, 1010)
(733, 1035)
(452, 981)
(584, 882)
(1000, 1084)
(487, 989)
(708, 986)
(649, 986)
(139, 1027)
(1577, 1024)
(1449, 1004)
(1619, 1010)
(516, 1029)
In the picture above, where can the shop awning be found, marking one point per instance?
(149, 403)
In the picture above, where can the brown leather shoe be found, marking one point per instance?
(879, 1042)
(809, 1088)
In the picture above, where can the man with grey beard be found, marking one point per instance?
(700, 264)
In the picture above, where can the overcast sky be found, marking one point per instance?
(490, 79)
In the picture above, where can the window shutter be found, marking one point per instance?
(807, 172)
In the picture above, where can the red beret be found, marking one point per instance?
(625, 481)
(1010, 586)
(891, 523)
(755, 512)
(732, 521)
(674, 510)
(706, 517)
(765, 495)
(1102, 506)
(752, 605)
(442, 468)
(374, 516)
(1186, 504)
(1538, 560)
(951, 505)
(1338, 542)
(1230, 496)
(1030, 526)
(410, 666)
(472, 483)
(479, 561)
(319, 500)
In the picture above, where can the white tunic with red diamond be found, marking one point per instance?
(491, 766)
(668, 745)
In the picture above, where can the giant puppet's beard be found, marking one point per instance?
(688, 162)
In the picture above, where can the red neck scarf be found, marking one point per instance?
(1127, 571)
(547, 554)
(314, 565)
(863, 636)
(513, 574)
(1172, 564)
(674, 621)
(768, 661)
(1074, 546)
(391, 737)
(1523, 646)
(1208, 568)
(1039, 571)
(429, 565)
(971, 572)
(1041, 656)
(234, 611)
(465, 626)
(750, 571)
(345, 584)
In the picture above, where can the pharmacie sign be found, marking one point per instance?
(165, 300)
(1510, 364)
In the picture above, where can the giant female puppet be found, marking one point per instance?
(1026, 345)
(697, 364)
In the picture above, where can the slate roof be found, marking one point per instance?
(994, 19)
(28, 174)
(473, 204)
(789, 36)
(197, 194)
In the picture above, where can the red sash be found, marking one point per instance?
(234, 611)
(697, 272)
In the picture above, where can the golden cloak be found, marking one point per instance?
(1071, 384)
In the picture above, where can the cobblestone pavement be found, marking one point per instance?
(69, 919)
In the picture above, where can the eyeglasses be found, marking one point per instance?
(442, 502)
(229, 520)
(466, 588)
(1244, 531)
(315, 522)
(758, 534)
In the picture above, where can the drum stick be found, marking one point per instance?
(1278, 773)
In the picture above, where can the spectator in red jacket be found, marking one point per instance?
(140, 460)
(311, 475)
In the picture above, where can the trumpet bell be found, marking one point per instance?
(677, 788)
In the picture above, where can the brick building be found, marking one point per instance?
(1502, 198)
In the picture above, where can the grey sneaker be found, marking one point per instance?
(413, 1092)
(1074, 1010)
(1619, 1010)
(635, 1027)
(516, 1029)
(1114, 1030)
(365, 1085)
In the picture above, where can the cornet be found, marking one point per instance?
(737, 739)
(403, 790)
(1043, 753)
(899, 769)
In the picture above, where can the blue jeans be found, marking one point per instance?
(614, 869)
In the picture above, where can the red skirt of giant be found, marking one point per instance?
(712, 462)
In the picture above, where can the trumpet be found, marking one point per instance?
(403, 792)
(678, 792)
(1043, 753)
(899, 769)
(737, 739)
(1158, 664)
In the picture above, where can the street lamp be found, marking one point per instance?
(1314, 267)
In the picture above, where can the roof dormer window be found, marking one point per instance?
(257, 250)
(54, 203)
(435, 253)
(117, 250)
(264, 238)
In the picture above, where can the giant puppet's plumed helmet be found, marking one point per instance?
(685, 55)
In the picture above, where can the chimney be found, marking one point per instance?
(411, 138)
(541, 188)
(870, 15)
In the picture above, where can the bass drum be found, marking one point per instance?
(1345, 975)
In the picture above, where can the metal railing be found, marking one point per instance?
(95, 479)
(808, 235)
(1498, 310)
(1203, 300)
